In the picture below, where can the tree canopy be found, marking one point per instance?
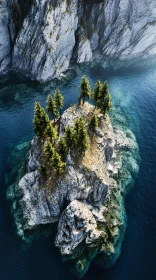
(58, 97)
(52, 107)
(41, 120)
(85, 90)
(94, 122)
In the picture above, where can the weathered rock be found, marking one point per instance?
(77, 223)
(41, 38)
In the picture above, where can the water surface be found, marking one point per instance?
(134, 91)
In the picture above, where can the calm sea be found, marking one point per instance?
(133, 89)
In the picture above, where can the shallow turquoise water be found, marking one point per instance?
(134, 91)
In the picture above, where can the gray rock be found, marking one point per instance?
(41, 38)
(76, 224)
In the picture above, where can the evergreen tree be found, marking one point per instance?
(36, 120)
(48, 151)
(97, 91)
(62, 148)
(51, 132)
(69, 136)
(85, 90)
(41, 120)
(78, 124)
(94, 122)
(57, 164)
(104, 90)
(52, 107)
(83, 138)
(104, 101)
(58, 97)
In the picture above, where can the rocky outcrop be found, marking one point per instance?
(43, 38)
(87, 201)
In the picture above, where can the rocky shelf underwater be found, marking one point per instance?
(123, 155)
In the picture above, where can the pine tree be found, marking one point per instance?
(62, 148)
(94, 122)
(58, 97)
(85, 90)
(57, 164)
(78, 124)
(48, 151)
(51, 132)
(36, 120)
(41, 120)
(69, 136)
(52, 107)
(97, 91)
(104, 90)
(104, 101)
(83, 137)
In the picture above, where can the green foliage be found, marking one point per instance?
(97, 90)
(85, 90)
(50, 132)
(57, 164)
(41, 120)
(52, 107)
(62, 148)
(94, 122)
(58, 97)
(48, 150)
(104, 100)
(69, 136)
(82, 137)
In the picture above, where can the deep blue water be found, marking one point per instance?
(134, 90)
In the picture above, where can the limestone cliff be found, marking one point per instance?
(87, 201)
(42, 38)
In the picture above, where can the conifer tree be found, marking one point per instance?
(58, 97)
(51, 132)
(48, 151)
(104, 101)
(62, 148)
(69, 136)
(77, 125)
(94, 122)
(41, 120)
(83, 137)
(52, 107)
(57, 164)
(36, 120)
(85, 90)
(97, 91)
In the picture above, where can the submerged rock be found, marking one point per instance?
(87, 201)
(43, 38)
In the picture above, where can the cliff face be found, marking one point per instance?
(87, 201)
(41, 37)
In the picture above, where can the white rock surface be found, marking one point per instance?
(42, 38)
(76, 224)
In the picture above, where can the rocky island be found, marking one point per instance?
(80, 168)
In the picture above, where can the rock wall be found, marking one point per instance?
(41, 38)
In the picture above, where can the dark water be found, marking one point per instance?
(134, 90)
